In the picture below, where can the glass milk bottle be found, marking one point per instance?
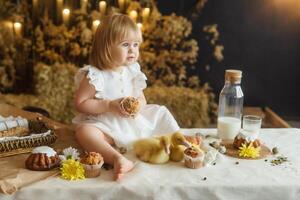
(230, 105)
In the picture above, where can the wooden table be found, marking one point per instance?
(230, 178)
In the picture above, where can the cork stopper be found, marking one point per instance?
(233, 76)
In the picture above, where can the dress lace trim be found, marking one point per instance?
(95, 78)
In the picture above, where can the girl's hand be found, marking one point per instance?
(139, 108)
(115, 107)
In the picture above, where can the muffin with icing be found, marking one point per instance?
(92, 163)
(193, 157)
(42, 158)
(246, 137)
(131, 105)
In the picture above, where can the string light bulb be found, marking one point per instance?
(102, 7)
(140, 25)
(145, 13)
(95, 25)
(133, 15)
(66, 11)
(18, 29)
(66, 15)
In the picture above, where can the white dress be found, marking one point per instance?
(111, 85)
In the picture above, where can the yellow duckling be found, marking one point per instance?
(153, 150)
(178, 145)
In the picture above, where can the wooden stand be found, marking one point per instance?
(15, 152)
(233, 152)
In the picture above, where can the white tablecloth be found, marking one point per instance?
(250, 179)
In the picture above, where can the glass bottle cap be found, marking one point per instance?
(233, 75)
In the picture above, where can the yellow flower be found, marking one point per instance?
(72, 170)
(249, 151)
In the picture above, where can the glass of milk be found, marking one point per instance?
(228, 127)
(252, 123)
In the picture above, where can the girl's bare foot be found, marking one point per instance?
(121, 166)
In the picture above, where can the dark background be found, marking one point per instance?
(261, 38)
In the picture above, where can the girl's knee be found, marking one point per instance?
(83, 131)
(82, 128)
(79, 131)
(87, 131)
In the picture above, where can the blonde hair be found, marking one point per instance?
(112, 30)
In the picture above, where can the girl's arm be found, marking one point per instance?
(85, 101)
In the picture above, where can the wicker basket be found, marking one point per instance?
(25, 145)
(17, 140)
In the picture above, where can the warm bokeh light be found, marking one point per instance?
(121, 4)
(96, 22)
(66, 11)
(17, 25)
(102, 7)
(8, 24)
(133, 15)
(95, 25)
(66, 15)
(290, 8)
(18, 28)
(145, 13)
(140, 25)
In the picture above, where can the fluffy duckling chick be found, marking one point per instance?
(153, 150)
(178, 145)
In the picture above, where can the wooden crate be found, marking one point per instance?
(270, 118)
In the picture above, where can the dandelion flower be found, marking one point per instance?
(249, 151)
(72, 170)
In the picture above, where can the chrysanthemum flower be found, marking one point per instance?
(72, 170)
(249, 151)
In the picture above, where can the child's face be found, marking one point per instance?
(126, 51)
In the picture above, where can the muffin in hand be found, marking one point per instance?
(131, 105)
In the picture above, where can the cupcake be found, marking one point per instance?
(130, 105)
(193, 157)
(92, 163)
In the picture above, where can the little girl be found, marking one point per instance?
(113, 75)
